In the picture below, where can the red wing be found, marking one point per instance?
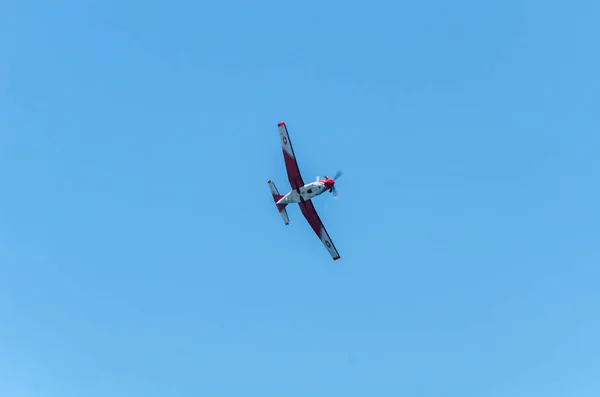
(310, 213)
(291, 164)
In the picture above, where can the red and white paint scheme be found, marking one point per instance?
(302, 193)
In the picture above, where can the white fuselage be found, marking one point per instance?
(306, 192)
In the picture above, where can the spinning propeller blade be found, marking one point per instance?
(333, 189)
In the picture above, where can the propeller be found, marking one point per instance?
(333, 189)
(335, 193)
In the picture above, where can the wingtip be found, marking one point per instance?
(281, 123)
(337, 258)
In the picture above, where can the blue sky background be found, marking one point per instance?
(141, 253)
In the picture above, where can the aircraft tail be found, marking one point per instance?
(280, 207)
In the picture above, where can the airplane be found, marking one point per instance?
(303, 193)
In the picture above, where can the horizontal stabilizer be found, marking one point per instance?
(280, 207)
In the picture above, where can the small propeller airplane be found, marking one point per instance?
(302, 193)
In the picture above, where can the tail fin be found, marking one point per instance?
(280, 207)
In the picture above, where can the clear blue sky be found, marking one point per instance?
(141, 253)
